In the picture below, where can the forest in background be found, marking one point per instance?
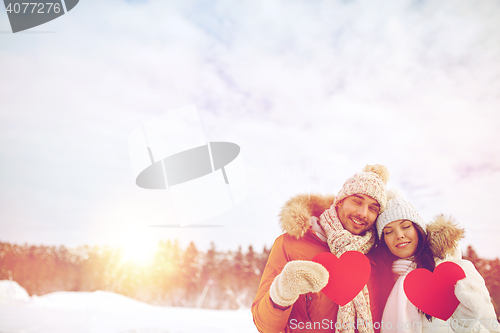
(173, 277)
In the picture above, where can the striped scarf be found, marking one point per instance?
(340, 241)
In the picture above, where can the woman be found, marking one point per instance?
(405, 244)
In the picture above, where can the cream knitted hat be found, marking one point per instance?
(398, 209)
(370, 182)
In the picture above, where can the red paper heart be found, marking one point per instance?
(434, 292)
(348, 275)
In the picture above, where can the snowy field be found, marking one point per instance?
(68, 312)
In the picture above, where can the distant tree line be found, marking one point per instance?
(173, 277)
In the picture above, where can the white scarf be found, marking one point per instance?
(400, 316)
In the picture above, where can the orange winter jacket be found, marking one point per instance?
(312, 312)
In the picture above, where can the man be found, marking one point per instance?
(288, 298)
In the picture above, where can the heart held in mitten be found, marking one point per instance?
(434, 292)
(348, 275)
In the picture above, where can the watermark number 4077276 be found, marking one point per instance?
(25, 15)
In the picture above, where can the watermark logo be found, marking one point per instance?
(204, 178)
(28, 14)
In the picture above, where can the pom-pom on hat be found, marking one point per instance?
(398, 209)
(370, 182)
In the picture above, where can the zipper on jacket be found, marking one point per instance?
(307, 307)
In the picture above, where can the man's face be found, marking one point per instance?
(357, 213)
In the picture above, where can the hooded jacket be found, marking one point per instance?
(312, 312)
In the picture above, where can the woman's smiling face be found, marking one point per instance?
(401, 238)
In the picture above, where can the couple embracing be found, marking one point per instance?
(395, 239)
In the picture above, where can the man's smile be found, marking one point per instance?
(358, 222)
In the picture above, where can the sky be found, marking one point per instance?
(311, 91)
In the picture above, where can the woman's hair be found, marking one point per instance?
(423, 256)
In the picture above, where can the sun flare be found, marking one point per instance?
(138, 246)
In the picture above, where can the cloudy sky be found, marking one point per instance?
(310, 90)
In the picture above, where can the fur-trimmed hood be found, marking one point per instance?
(442, 232)
(295, 215)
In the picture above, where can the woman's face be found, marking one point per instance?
(401, 238)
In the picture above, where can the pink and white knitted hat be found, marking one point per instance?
(370, 182)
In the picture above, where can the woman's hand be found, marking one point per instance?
(471, 292)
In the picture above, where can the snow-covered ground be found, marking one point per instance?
(68, 312)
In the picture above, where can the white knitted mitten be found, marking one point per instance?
(298, 277)
(473, 296)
